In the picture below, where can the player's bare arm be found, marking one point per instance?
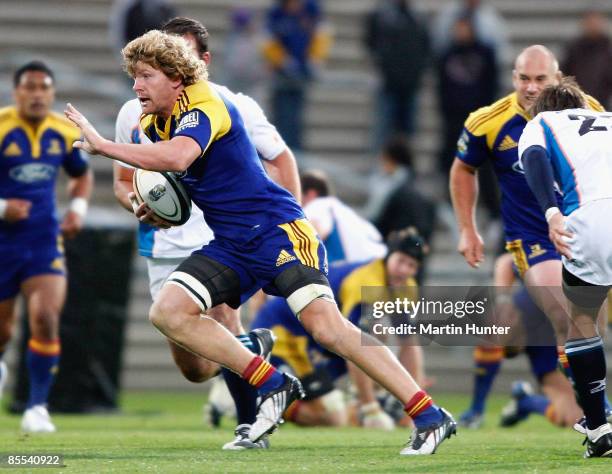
(284, 171)
(464, 193)
(79, 190)
(122, 185)
(173, 155)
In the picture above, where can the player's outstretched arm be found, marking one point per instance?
(174, 155)
(464, 193)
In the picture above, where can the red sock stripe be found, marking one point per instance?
(45, 348)
(419, 402)
(258, 371)
(563, 358)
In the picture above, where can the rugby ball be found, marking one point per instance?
(164, 194)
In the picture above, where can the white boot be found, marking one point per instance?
(37, 420)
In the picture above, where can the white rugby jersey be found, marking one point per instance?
(579, 142)
(350, 238)
(181, 241)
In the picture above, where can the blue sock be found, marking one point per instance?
(275, 381)
(534, 404)
(483, 381)
(428, 417)
(244, 394)
(588, 363)
(42, 360)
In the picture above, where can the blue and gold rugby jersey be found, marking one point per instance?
(493, 132)
(29, 163)
(227, 181)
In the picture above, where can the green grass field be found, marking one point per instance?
(165, 433)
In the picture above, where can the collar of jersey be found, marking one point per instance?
(518, 108)
(33, 135)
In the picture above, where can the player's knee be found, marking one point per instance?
(326, 327)
(164, 316)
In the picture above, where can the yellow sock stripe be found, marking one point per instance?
(45, 348)
(257, 373)
(260, 373)
(550, 413)
(419, 405)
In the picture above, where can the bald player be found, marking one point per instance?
(492, 133)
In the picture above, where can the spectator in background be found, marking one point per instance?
(394, 202)
(243, 67)
(296, 45)
(132, 18)
(489, 26)
(467, 80)
(398, 41)
(589, 57)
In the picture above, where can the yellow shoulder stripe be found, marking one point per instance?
(481, 124)
(202, 97)
(8, 121)
(594, 104)
(483, 114)
(66, 129)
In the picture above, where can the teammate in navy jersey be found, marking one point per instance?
(492, 133)
(34, 144)
(261, 238)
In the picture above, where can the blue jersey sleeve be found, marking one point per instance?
(197, 125)
(75, 164)
(472, 149)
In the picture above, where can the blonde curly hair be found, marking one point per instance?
(167, 53)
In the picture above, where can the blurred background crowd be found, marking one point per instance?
(374, 92)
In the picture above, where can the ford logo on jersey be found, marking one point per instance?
(157, 192)
(32, 172)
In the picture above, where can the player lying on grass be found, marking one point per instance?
(262, 239)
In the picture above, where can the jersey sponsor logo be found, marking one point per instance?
(507, 144)
(54, 148)
(13, 150)
(535, 250)
(284, 257)
(190, 120)
(32, 173)
(157, 192)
